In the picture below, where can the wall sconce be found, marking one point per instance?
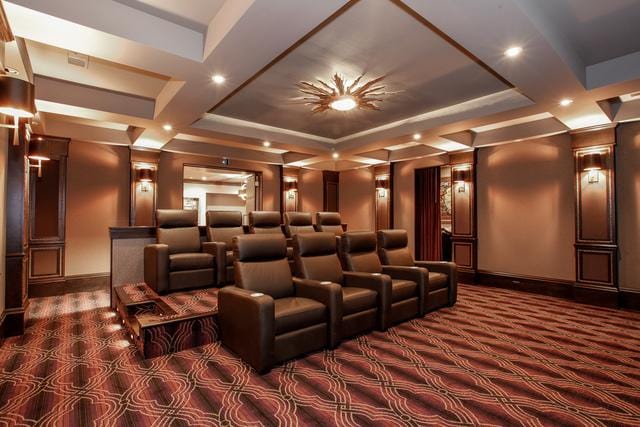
(382, 185)
(38, 151)
(17, 99)
(461, 177)
(242, 192)
(145, 176)
(593, 163)
(290, 187)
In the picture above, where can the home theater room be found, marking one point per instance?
(320, 212)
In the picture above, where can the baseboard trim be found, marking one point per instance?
(14, 321)
(70, 284)
(539, 285)
(630, 298)
(596, 295)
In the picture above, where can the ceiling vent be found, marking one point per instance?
(78, 59)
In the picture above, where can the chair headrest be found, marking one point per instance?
(259, 247)
(298, 218)
(328, 218)
(392, 239)
(224, 218)
(359, 241)
(174, 218)
(264, 218)
(315, 244)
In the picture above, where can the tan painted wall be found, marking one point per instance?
(357, 198)
(170, 178)
(404, 192)
(310, 191)
(628, 200)
(526, 217)
(4, 143)
(97, 198)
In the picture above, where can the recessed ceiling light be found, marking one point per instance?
(513, 51)
(218, 79)
(335, 155)
(39, 138)
(344, 103)
(566, 102)
(11, 71)
(266, 144)
(167, 127)
(204, 178)
(417, 136)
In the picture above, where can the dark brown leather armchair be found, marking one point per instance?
(442, 284)
(329, 221)
(268, 222)
(222, 227)
(268, 316)
(298, 222)
(317, 259)
(179, 260)
(407, 283)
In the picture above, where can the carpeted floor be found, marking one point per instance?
(498, 357)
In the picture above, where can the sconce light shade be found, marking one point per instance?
(145, 175)
(592, 162)
(17, 97)
(382, 184)
(39, 149)
(291, 186)
(460, 175)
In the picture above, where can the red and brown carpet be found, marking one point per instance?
(498, 357)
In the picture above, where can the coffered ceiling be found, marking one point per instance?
(145, 71)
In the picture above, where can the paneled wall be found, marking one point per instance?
(357, 198)
(525, 204)
(310, 190)
(97, 198)
(628, 199)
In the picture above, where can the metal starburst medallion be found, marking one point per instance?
(338, 94)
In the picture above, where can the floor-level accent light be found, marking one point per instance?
(460, 177)
(17, 99)
(38, 151)
(593, 163)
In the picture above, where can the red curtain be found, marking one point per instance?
(428, 235)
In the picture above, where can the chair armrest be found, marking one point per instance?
(380, 283)
(329, 294)
(247, 325)
(219, 252)
(156, 267)
(416, 274)
(449, 268)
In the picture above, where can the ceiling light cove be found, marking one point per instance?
(566, 102)
(342, 95)
(218, 79)
(513, 51)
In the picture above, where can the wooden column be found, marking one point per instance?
(596, 244)
(331, 188)
(289, 199)
(17, 235)
(464, 242)
(144, 196)
(383, 197)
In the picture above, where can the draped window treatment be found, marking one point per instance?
(428, 240)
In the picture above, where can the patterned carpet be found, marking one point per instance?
(498, 357)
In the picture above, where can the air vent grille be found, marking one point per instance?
(78, 59)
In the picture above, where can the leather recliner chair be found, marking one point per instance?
(442, 284)
(179, 260)
(222, 227)
(269, 316)
(329, 221)
(268, 222)
(317, 259)
(298, 222)
(407, 283)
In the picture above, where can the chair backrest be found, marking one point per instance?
(264, 222)
(316, 257)
(393, 248)
(297, 223)
(178, 229)
(223, 226)
(329, 221)
(359, 252)
(261, 264)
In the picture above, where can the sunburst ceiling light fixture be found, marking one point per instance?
(341, 95)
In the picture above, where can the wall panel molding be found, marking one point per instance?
(464, 245)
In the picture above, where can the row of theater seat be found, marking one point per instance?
(180, 260)
(270, 316)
